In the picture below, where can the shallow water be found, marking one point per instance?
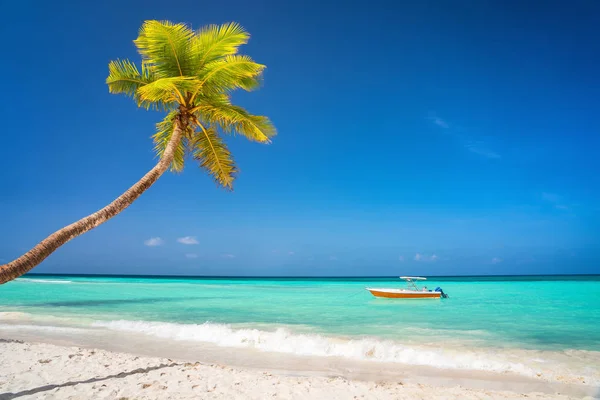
(488, 323)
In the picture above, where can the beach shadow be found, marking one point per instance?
(9, 396)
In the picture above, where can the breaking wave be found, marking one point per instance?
(282, 340)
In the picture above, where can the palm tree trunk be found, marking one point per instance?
(33, 257)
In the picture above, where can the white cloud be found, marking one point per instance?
(496, 260)
(228, 255)
(191, 255)
(154, 241)
(401, 258)
(188, 240)
(425, 258)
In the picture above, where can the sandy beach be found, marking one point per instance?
(46, 371)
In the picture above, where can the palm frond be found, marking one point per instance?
(166, 48)
(174, 89)
(214, 156)
(164, 131)
(229, 73)
(219, 111)
(124, 77)
(215, 41)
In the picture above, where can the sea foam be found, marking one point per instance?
(283, 340)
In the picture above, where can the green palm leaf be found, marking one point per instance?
(214, 156)
(164, 131)
(124, 77)
(219, 111)
(229, 73)
(215, 41)
(175, 89)
(166, 48)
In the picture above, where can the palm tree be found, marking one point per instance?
(189, 75)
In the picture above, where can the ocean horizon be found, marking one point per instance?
(366, 277)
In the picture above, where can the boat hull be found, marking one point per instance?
(403, 294)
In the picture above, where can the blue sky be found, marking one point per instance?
(421, 137)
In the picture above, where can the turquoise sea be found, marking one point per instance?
(488, 323)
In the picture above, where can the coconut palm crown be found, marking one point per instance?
(191, 75)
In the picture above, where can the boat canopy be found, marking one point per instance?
(413, 278)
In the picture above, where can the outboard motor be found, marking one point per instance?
(439, 289)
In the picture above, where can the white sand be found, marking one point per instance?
(46, 371)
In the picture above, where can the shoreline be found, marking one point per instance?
(60, 371)
(570, 371)
(255, 362)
